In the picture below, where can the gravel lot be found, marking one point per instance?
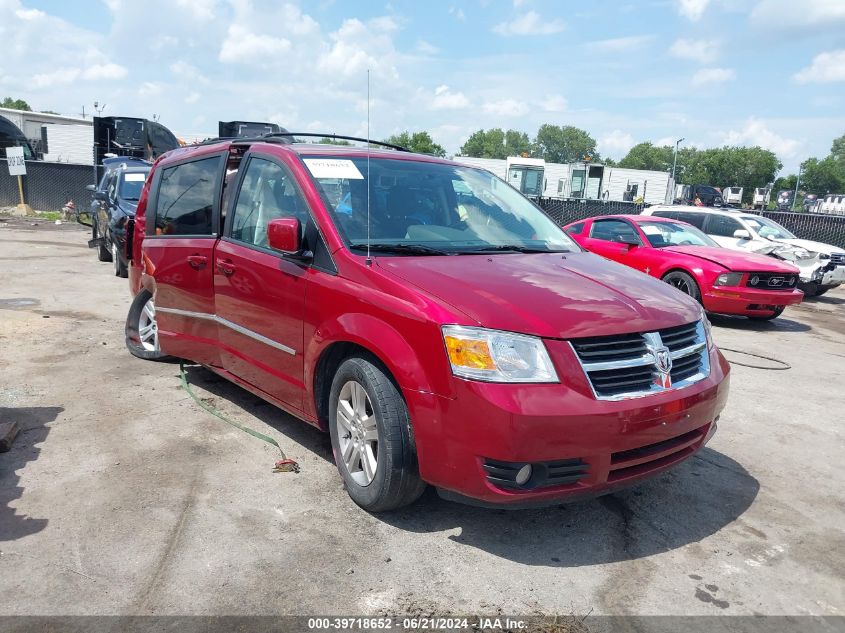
(122, 496)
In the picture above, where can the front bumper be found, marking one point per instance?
(619, 442)
(748, 301)
(832, 277)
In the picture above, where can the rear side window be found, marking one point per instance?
(575, 229)
(667, 214)
(186, 195)
(722, 226)
(696, 219)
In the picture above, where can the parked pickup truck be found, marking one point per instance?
(439, 326)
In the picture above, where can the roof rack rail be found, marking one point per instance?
(335, 136)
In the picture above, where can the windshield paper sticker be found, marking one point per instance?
(333, 168)
(135, 177)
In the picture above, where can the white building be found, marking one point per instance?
(588, 180)
(61, 139)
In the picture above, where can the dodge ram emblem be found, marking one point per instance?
(663, 361)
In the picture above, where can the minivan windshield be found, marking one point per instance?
(131, 185)
(426, 208)
(769, 228)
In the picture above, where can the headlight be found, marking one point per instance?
(824, 256)
(495, 356)
(728, 279)
(801, 253)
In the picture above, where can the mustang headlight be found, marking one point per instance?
(496, 356)
(728, 279)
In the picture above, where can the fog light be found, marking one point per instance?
(523, 475)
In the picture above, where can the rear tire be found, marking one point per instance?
(142, 329)
(683, 282)
(810, 289)
(103, 252)
(120, 269)
(778, 311)
(370, 431)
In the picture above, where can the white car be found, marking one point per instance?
(822, 266)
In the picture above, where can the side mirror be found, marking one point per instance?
(630, 242)
(283, 234)
(742, 234)
(91, 188)
(102, 196)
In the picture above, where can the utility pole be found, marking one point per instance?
(797, 182)
(674, 165)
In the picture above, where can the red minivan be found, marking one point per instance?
(433, 320)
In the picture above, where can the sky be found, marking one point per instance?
(714, 72)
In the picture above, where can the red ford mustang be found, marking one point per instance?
(723, 280)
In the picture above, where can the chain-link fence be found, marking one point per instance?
(564, 211)
(47, 186)
(829, 229)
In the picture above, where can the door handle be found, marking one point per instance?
(226, 266)
(197, 262)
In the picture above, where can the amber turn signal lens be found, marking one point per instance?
(469, 353)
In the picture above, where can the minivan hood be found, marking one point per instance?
(552, 295)
(735, 260)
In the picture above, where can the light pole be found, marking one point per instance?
(797, 182)
(675, 159)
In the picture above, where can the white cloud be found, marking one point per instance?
(621, 44)
(184, 70)
(445, 99)
(193, 97)
(108, 71)
(616, 143)
(357, 47)
(458, 13)
(791, 14)
(755, 132)
(665, 141)
(506, 108)
(243, 46)
(529, 23)
(554, 103)
(826, 68)
(56, 77)
(426, 48)
(297, 22)
(692, 9)
(29, 14)
(713, 76)
(150, 89)
(702, 51)
(202, 10)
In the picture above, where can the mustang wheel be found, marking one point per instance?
(371, 437)
(142, 329)
(683, 282)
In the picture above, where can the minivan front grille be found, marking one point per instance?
(837, 259)
(772, 281)
(632, 365)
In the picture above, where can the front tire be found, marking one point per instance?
(103, 252)
(142, 328)
(683, 282)
(370, 431)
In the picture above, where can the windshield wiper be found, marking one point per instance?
(515, 248)
(410, 249)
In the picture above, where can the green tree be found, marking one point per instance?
(648, 156)
(565, 144)
(837, 150)
(15, 104)
(420, 142)
(485, 144)
(746, 167)
(517, 143)
(327, 140)
(823, 176)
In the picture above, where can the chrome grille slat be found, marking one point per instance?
(626, 366)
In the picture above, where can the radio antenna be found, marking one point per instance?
(369, 261)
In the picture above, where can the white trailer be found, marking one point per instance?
(732, 195)
(761, 198)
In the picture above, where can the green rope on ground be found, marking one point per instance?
(282, 465)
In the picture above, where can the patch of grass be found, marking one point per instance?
(50, 215)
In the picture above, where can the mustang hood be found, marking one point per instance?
(736, 260)
(553, 295)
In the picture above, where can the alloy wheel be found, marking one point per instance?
(357, 433)
(148, 328)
